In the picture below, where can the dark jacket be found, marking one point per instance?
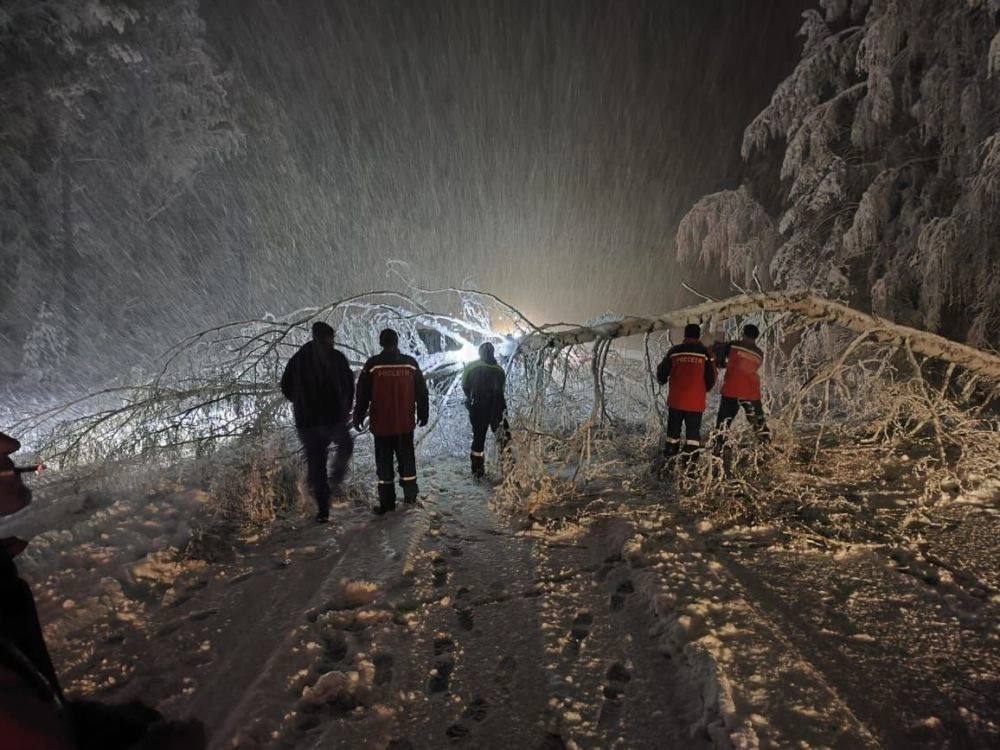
(320, 384)
(742, 360)
(690, 371)
(483, 382)
(13, 494)
(390, 387)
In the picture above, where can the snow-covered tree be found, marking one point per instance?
(888, 138)
(45, 348)
(111, 110)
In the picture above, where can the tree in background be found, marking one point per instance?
(888, 195)
(111, 110)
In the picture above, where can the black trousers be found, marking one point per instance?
(480, 427)
(316, 443)
(400, 448)
(691, 422)
(730, 407)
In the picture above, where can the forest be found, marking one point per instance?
(188, 189)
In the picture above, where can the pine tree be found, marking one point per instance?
(888, 135)
(111, 111)
(45, 349)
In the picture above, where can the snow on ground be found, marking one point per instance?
(621, 619)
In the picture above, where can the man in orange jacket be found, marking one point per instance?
(392, 392)
(741, 387)
(690, 372)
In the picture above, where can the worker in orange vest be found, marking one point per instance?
(689, 372)
(741, 387)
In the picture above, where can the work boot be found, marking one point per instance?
(478, 462)
(322, 517)
(386, 497)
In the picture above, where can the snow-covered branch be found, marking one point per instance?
(801, 303)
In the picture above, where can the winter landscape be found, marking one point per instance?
(719, 282)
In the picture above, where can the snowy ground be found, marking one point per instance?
(622, 619)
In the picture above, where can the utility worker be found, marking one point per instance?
(741, 387)
(690, 372)
(483, 382)
(320, 384)
(391, 388)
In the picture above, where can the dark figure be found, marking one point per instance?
(690, 372)
(391, 388)
(13, 494)
(34, 714)
(18, 618)
(741, 387)
(483, 382)
(319, 383)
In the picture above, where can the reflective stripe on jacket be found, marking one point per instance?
(690, 372)
(392, 393)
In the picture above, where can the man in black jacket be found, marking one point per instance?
(320, 384)
(483, 382)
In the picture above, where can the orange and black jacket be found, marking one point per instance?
(690, 371)
(742, 360)
(392, 393)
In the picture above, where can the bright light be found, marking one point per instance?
(468, 353)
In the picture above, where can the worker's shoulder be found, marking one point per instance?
(749, 348)
(688, 347)
(394, 359)
(478, 364)
(8, 444)
(302, 351)
(373, 361)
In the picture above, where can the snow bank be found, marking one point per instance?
(736, 661)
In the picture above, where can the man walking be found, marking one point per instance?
(483, 382)
(690, 372)
(391, 388)
(320, 384)
(741, 387)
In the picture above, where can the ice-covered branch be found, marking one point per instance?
(799, 302)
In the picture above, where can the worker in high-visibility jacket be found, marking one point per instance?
(689, 372)
(392, 394)
(483, 383)
(741, 387)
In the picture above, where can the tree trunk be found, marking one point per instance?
(799, 302)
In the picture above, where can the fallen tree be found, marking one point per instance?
(801, 303)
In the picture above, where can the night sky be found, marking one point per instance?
(545, 150)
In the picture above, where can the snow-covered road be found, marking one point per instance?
(615, 621)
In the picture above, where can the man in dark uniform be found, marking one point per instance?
(483, 382)
(391, 388)
(690, 372)
(741, 387)
(319, 383)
